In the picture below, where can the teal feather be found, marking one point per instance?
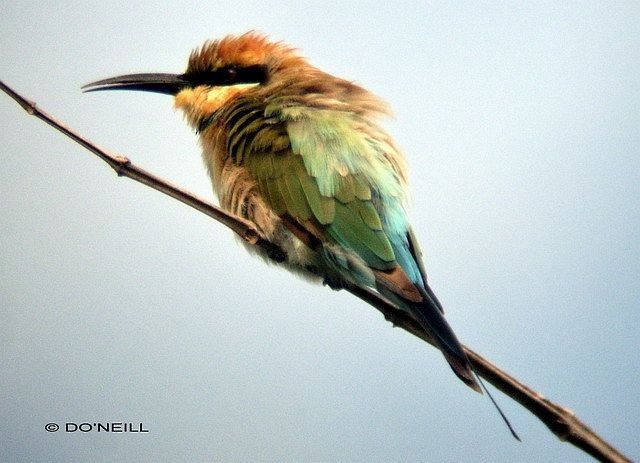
(316, 164)
(406, 259)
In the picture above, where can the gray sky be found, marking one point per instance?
(521, 127)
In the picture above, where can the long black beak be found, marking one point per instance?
(168, 84)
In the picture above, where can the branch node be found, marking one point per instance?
(250, 235)
(561, 429)
(120, 163)
(29, 107)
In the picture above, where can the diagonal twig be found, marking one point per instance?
(561, 421)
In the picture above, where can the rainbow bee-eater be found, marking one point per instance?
(301, 154)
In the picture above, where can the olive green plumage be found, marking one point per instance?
(341, 201)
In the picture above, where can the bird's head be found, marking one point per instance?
(217, 72)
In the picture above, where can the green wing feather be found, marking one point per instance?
(307, 178)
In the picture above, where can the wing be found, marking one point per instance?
(305, 174)
(330, 174)
(413, 248)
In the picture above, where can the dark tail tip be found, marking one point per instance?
(462, 368)
(429, 315)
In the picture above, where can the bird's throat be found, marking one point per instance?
(199, 104)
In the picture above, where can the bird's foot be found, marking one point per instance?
(336, 285)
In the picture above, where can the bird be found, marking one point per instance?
(302, 155)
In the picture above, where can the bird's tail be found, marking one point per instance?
(425, 308)
(428, 313)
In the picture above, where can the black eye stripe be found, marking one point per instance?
(228, 75)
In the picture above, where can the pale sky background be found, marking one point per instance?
(521, 126)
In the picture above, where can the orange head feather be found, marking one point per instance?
(232, 52)
(282, 71)
(248, 49)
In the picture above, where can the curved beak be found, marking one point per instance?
(168, 84)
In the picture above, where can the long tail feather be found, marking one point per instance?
(495, 404)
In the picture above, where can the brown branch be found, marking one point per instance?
(561, 421)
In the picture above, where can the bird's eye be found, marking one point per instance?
(230, 73)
